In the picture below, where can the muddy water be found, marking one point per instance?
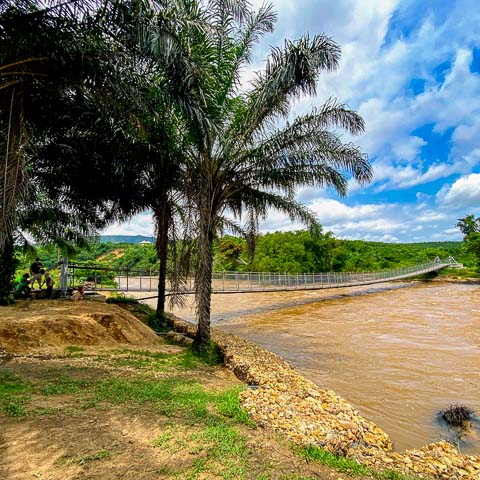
(397, 353)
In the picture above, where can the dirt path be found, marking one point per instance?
(112, 401)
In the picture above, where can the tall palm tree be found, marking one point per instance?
(77, 72)
(24, 73)
(249, 163)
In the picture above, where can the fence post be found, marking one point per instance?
(64, 276)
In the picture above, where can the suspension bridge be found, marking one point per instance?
(96, 278)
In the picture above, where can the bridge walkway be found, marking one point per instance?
(106, 279)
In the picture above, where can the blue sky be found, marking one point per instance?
(412, 69)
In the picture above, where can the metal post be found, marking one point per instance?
(127, 281)
(64, 275)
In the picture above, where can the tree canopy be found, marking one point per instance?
(113, 107)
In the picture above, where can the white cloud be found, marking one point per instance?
(374, 78)
(463, 193)
(141, 224)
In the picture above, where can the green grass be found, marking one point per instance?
(346, 465)
(74, 351)
(221, 445)
(122, 299)
(227, 403)
(65, 385)
(171, 396)
(210, 354)
(83, 459)
(185, 360)
(14, 393)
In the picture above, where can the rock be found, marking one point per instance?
(305, 414)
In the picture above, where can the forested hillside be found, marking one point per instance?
(291, 252)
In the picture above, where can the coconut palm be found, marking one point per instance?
(251, 162)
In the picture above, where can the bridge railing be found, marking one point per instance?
(102, 278)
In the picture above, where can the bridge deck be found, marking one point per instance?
(251, 282)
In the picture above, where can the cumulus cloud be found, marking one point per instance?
(463, 193)
(405, 66)
(141, 224)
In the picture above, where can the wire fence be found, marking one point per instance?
(124, 280)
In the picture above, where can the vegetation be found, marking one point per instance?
(146, 97)
(470, 227)
(290, 252)
(248, 161)
(201, 428)
(347, 465)
(457, 415)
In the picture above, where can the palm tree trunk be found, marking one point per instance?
(7, 270)
(204, 278)
(162, 217)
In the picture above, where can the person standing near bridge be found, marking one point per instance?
(35, 268)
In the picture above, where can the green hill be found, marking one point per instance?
(125, 239)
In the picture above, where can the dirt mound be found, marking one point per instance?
(52, 324)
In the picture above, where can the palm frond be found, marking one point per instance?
(290, 73)
(13, 178)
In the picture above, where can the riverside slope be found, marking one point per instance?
(281, 399)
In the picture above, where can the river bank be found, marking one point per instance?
(399, 353)
(285, 401)
(87, 391)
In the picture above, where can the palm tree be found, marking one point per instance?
(248, 163)
(76, 74)
(24, 73)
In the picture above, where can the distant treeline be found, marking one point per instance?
(291, 252)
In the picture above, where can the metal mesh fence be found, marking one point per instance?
(100, 278)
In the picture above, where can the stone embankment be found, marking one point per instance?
(281, 399)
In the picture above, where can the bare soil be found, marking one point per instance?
(60, 428)
(35, 326)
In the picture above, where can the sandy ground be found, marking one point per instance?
(50, 325)
(63, 438)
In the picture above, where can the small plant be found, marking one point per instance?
(14, 392)
(83, 459)
(14, 408)
(211, 354)
(457, 415)
(115, 299)
(73, 350)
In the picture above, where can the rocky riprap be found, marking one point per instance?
(281, 399)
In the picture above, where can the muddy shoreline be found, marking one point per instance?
(281, 399)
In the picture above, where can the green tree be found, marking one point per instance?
(249, 162)
(104, 138)
(470, 227)
(43, 53)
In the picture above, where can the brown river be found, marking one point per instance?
(398, 352)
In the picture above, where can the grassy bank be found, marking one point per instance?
(164, 414)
